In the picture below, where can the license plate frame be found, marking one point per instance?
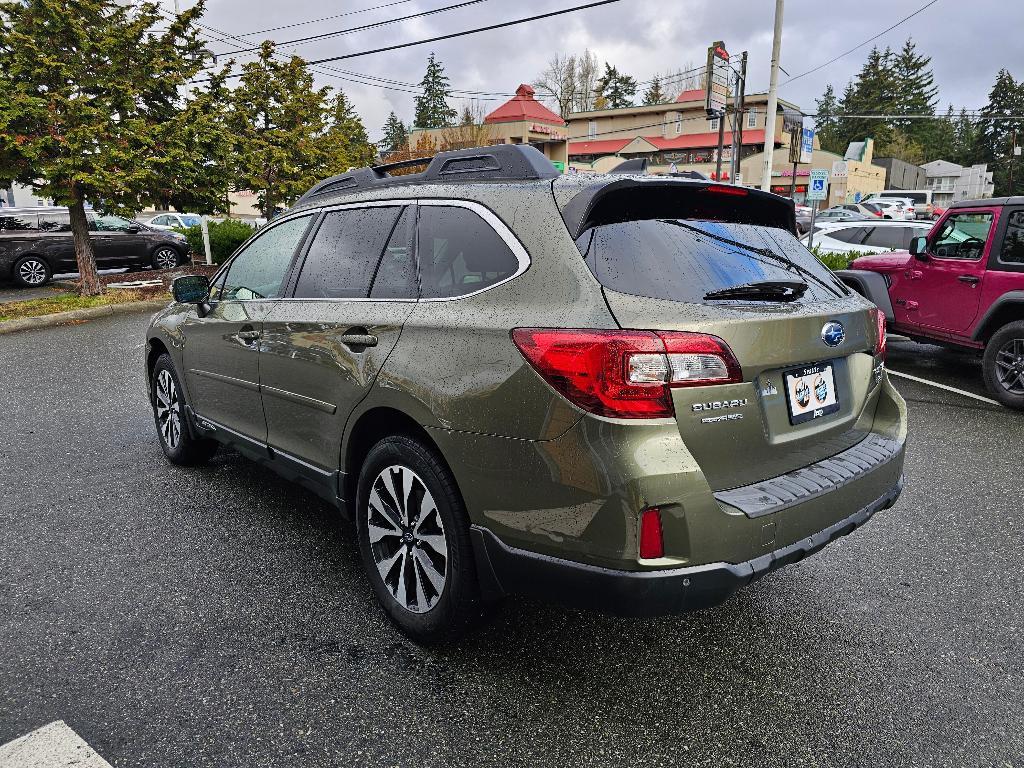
(819, 396)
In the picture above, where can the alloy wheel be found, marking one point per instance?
(166, 258)
(32, 272)
(168, 409)
(407, 539)
(1010, 366)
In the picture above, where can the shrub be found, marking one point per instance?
(225, 237)
(836, 261)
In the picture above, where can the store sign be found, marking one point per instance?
(718, 72)
(840, 169)
(547, 130)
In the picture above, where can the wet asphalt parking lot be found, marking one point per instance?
(219, 616)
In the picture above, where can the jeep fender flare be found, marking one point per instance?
(870, 285)
(1005, 309)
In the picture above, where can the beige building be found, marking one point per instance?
(854, 176)
(520, 120)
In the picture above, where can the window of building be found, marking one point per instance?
(258, 271)
(460, 253)
(591, 128)
(345, 253)
(679, 122)
(713, 124)
(751, 119)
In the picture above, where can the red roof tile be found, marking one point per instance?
(697, 94)
(523, 106)
(704, 140)
(602, 147)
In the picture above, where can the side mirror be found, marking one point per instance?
(191, 289)
(919, 248)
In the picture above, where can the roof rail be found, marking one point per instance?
(501, 162)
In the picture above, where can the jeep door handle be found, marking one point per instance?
(914, 274)
(358, 340)
(969, 279)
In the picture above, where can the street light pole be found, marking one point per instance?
(773, 101)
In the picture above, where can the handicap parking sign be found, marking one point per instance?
(818, 187)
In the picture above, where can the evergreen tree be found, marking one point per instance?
(614, 89)
(966, 142)
(872, 92)
(432, 110)
(915, 93)
(345, 144)
(654, 94)
(942, 139)
(826, 123)
(993, 137)
(91, 106)
(396, 135)
(277, 119)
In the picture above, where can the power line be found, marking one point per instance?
(861, 45)
(452, 35)
(323, 18)
(364, 27)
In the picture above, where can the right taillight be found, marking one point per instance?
(880, 338)
(626, 374)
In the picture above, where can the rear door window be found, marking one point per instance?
(460, 253)
(345, 252)
(894, 238)
(18, 222)
(853, 235)
(1013, 243)
(396, 271)
(682, 260)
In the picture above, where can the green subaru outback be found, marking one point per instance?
(631, 394)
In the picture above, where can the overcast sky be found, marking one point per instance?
(968, 42)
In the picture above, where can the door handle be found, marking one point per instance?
(914, 274)
(969, 279)
(358, 340)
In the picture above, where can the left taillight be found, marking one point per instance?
(880, 338)
(622, 373)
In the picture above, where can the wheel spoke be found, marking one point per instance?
(385, 510)
(435, 577)
(385, 566)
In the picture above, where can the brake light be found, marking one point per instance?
(880, 342)
(625, 374)
(652, 543)
(725, 189)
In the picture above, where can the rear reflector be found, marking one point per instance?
(880, 338)
(652, 544)
(626, 374)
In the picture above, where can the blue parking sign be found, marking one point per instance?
(818, 187)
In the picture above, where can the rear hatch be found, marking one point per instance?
(805, 344)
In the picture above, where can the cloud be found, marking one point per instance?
(641, 38)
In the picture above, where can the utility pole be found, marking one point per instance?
(773, 101)
(721, 142)
(1013, 154)
(740, 115)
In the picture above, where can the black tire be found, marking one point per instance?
(31, 272)
(438, 616)
(1003, 365)
(172, 428)
(166, 257)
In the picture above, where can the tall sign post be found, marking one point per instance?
(739, 116)
(817, 190)
(717, 93)
(793, 124)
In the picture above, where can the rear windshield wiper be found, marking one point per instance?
(767, 253)
(762, 290)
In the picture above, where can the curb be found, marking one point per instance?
(59, 318)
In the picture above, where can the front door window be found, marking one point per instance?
(962, 236)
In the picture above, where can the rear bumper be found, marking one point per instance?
(505, 570)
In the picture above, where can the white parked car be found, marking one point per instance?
(901, 208)
(866, 236)
(174, 221)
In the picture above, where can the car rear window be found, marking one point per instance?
(682, 259)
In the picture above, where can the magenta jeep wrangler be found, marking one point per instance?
(961, 285)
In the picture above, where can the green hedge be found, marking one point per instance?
(836, 261)
(225, 237)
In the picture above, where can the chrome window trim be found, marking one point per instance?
(493, 221)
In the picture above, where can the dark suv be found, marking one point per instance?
(635, 394)
(36, 243)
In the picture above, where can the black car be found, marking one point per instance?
(36, 243)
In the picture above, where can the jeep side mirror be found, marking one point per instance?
(919, 248)
(191, 289)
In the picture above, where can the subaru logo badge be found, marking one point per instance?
(833, 334)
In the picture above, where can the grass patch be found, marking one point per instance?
(64, 302)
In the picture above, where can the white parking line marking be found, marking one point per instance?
(943, 386)
(52, 746)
